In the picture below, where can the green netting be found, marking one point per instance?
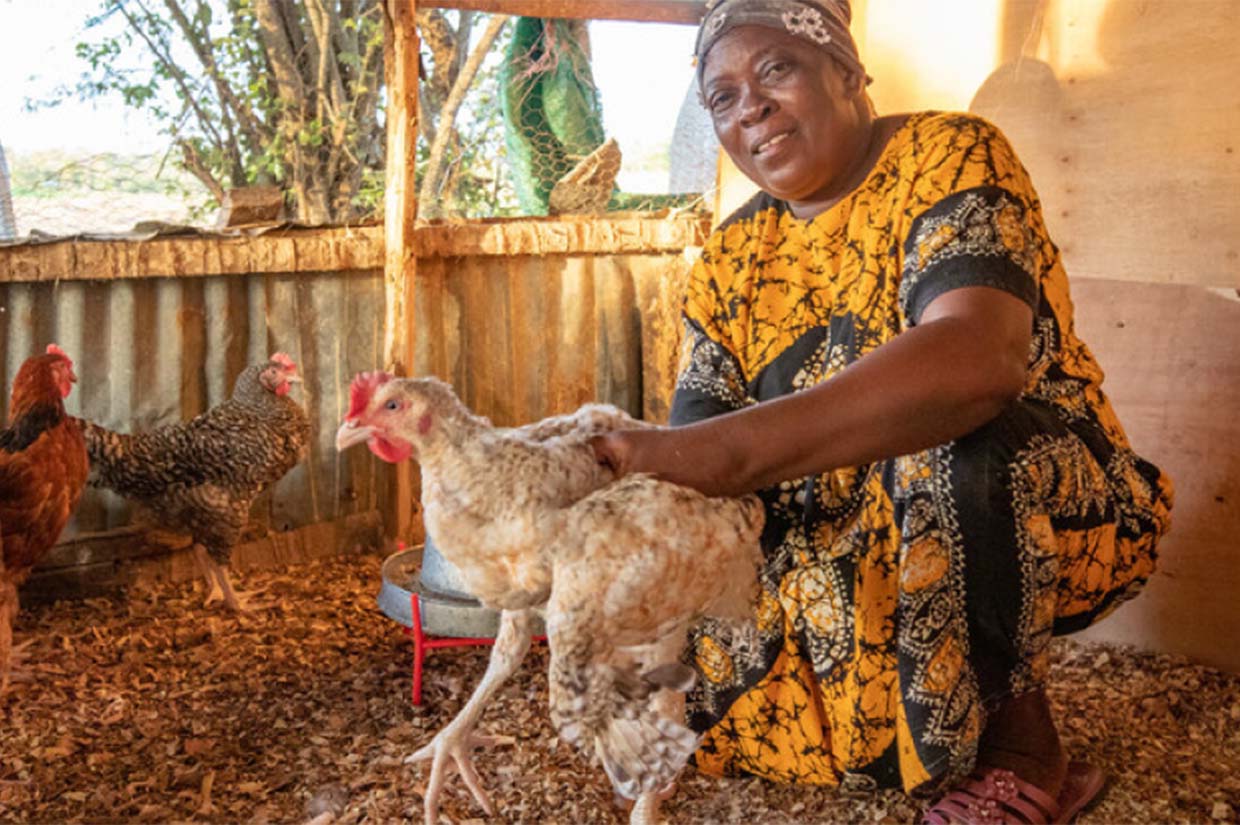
(535, 103)
(552, 115)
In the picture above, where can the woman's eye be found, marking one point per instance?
(721, 101)
(777, 69)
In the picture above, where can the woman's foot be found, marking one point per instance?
(1020, 736)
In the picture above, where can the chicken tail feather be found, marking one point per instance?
(610, 708)
(644, 754)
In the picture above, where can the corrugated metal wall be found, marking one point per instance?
(157, 350)
(519, 336)
(524, 337)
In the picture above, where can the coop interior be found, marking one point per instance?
(501, 231)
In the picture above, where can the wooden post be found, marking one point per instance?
(400, 53)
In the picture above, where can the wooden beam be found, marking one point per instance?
(400, 53)
(334, 249)
(341, 249)
(640, 11)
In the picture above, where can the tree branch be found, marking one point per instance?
(206, 56)
(175, 71)
(279, 51)
(194, 163)
(434, 165)
(331, 89)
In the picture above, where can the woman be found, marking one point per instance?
(880, 343)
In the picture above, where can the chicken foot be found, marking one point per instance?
(669, 703)
(456, 742)
(219, 585)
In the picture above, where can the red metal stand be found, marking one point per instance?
(422, 643)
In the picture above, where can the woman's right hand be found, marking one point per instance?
(617, 451)
(668, 453)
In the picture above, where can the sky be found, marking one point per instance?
(643, 71)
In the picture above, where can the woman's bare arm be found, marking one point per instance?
(953, 372)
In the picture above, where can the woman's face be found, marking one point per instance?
(786, 113)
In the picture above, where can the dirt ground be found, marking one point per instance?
(149, 708)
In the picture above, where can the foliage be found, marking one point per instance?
(290, 93)
(284, 92)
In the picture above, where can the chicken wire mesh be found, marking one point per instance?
(559, 117)
(57, 192)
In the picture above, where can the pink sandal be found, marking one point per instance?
(993, 795)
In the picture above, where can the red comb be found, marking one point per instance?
(52, 349)
(362, 388)
(283, 359)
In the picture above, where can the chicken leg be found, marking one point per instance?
(669, 703)
(219, 585)
(457, 741)
(8, 610)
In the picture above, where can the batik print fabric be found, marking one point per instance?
(902, 598)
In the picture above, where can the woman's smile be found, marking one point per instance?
(765, 147)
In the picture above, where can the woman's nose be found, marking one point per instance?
(755, 107)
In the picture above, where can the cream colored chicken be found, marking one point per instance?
(530, 518)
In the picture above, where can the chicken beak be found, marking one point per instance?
(351, 433)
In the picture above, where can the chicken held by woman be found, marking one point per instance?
(527, 515)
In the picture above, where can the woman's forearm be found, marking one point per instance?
(926, 387)
(929, 385)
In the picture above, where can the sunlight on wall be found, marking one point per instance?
(1117, 108)
(1071, 41)
(922, 59)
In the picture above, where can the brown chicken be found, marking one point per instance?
(527, 515)
(202, 476)
(43, 468)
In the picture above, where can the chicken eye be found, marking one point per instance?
(392, 405)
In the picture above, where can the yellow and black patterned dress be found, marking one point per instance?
(903, 598)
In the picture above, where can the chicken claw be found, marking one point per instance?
(454, 746)
(219, 586)
(455, 743)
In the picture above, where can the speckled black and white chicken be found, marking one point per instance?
(530, 518)
(201, 476)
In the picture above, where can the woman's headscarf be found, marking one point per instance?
(822, 23)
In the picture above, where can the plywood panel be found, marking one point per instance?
(1172, 361)
(1126, 113)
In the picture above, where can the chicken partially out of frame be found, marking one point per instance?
(530, 518)
(43, 469)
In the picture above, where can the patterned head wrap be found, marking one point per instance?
(823, 23)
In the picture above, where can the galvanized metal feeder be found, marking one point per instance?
(425, 592)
